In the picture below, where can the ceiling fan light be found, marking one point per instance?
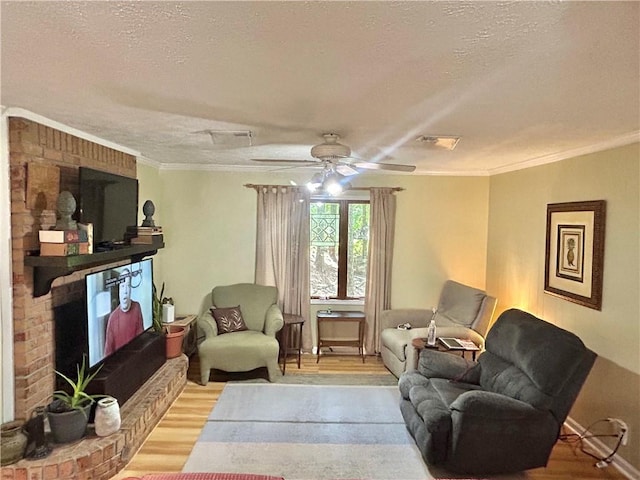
(334, 184)
(315, 182)
(332, 188)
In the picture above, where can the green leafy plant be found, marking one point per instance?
(78, 398)
(158, 301)
(157, 309)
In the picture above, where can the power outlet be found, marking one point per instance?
(623, 430)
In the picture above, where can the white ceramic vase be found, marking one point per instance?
(168, 313)
(107, 419)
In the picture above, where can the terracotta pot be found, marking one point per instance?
(14, 442)
(174, 337)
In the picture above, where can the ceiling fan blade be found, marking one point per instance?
(346, 169)
(384, 166)
(283, 160)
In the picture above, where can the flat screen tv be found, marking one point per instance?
(110, 203)
(119, 307)
(81, 326)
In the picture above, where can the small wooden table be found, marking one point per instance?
(341, 316)
(421, 343)
(190, 342)
(290, 320)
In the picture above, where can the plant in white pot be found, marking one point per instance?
(68, 413)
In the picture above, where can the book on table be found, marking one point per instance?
(87, 227)
(134, 229)
(458, 343)
(145, 239)
(63, 236)
(63, 249)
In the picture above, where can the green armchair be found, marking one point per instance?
(241, 351)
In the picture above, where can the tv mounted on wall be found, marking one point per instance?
(110, 203)
(81, 326)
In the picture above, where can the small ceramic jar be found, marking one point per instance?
(14, 441)
(107, 419)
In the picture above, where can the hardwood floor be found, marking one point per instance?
(168, 446)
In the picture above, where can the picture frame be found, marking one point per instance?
(574, 253)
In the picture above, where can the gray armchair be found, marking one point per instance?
(502, 414)
(462, 312)
(242, 351)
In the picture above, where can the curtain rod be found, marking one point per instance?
(252, 185)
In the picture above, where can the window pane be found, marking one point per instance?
(358, 248)
(325, 229)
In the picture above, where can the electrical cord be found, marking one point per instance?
(579, 438)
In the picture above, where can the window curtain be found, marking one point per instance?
(381, 237)
(282, 248)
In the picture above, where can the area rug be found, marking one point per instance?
(335, 379)
(308, 432)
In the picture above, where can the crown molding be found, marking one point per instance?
(627, 139)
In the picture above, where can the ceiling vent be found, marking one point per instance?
(445, 142)
(230, 137)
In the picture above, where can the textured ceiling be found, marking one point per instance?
(521, 82)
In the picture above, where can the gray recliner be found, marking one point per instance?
(462, 312)
(503, 413)
(242, 351)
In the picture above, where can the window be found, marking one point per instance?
(338, 248)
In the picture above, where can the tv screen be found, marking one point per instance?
(110, 203)
(119, 307)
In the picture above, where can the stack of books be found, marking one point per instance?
(62, 243)
(143, 235)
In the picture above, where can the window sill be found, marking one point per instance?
(317, 301)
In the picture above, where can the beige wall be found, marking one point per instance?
(209, 221)
(515, 271)
(150, 188)
(469, 229)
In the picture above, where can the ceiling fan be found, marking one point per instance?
(335, 156)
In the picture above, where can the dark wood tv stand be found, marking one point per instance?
(47, 269)
(123, 373)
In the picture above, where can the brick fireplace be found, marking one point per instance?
(33, 149)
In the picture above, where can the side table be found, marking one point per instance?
(341, 316)
(190, 342)
(290, 321)
(421, 343)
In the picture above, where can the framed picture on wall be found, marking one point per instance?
(574, 254)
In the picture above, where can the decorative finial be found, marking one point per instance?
(65, 208)
(148, 209)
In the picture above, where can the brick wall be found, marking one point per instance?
(32, 209)
(100, 458)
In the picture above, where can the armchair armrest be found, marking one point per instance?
(207, 326)
(502, 420)
(435, 364)
(490, 432)
(494, 406)
(417, 317)
(273, 322)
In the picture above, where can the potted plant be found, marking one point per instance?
(174, 334)
(68, 413)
